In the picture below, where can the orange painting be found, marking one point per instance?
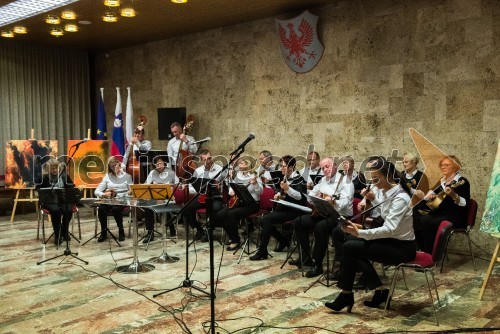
(88, 166)
(24, 160)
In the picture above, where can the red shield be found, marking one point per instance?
(299, 42)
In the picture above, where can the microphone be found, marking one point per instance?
(201, 141)
(251, 136)
(84, 140)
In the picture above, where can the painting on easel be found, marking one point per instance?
(24, 160)
(89, 162)
(491, 217)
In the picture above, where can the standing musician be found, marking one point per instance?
(60, 213)
(208, 170)
(333, 184)
(292, 189)
(312, 169)
(116, 183)
(229, 218)
(182, 141)
(392, 243)
(141, 145)
(160, 175)
(456, 192)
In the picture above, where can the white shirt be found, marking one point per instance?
(398, 217)
(167, 176)
(306, 173)
(330, 187)
(254, 189)
(173, 148)
(143, 146)
(200, 172)
(378, 199)
(120, 183)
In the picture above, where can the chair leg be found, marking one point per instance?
(79, 226)
(430, 294)
(393, 286)
(38, 227)
(470, 250)
(404, 277)
(445, 253)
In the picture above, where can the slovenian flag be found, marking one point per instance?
(118, 146)
(102, 130)
(129, 116)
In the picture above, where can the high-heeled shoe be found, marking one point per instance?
(233, 248)
(282, 245)
(379, 297)
(342, 300)
(259, 256)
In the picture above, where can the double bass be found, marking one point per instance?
(185, 165)
(132, 165)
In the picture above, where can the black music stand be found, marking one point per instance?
(316, 178)
(276, 178)
(71, 196)
(325, 209)
(244, 196)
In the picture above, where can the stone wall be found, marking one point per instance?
(388, 66)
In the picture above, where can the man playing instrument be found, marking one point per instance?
(312, 169)
(182, 141)
(141, 145)
(338, 189)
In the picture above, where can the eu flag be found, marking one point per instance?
(102, 131)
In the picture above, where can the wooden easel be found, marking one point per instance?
(494, 259)
(18, 192)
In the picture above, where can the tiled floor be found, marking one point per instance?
(66, 296)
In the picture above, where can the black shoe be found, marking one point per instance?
(204, 237)
(334, 276)
(282, 245)
(234, 248)
(173, 232)
(150, 236)
(379, 297)
(307, 262)
(58, 241)
(102, 237)
(342, 300)
(360, 284)
(121, 235)
(314, 271)
(259, 256)
(199, 234)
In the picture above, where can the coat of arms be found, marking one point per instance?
(299, 42)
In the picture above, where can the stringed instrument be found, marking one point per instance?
(132, 165)
(185, 165)
(233, 201)
(436, 201)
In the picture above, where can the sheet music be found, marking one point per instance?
(293, 205)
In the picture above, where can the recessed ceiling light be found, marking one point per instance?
(112, 3)
(7, 34)
(70, 27)
(56, 32)
(110, 17)
(84, 22)
(20, 30)
(179, 1)
(52, 19)
(68, 15)
(127, 12)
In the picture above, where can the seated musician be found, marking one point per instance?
(452, 208)
(333, 184)
(60, 213)
(391, 243)
(412, 176)
(116, 183)
(292, 189)
(207, 170)
(139, 144)
(266, 166)
(358, 179)
(312, 169)
(230, 217)
(160, 175)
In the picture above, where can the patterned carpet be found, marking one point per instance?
(64, 295)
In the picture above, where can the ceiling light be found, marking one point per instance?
(7, 34)
(110, 17)
(21, 9)
(56, 32)
(179, 1)
(52, 19)
(112, 3)
(20, 30)
(70, 27)
(68, 15)
(127, 12)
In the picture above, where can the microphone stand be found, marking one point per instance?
(209, 207)
(67, 252)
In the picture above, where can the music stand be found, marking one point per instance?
(325, 209)
(316, 178)
(151, 191)
(276, 178)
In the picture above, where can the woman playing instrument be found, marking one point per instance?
(116, 183)
(392, 243)
(230, 217)
(357, 179)
(448, 201)
(60, 213)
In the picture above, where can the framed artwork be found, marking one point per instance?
(491, 217)
(89, 163)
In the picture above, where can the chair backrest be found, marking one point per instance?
(355, 203)
(471, 213)
(442, 235)
(265, 198)
(181, 195)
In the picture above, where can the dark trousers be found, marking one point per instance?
(103, 212)
(60, 214)
(303, 225)
(190, 213)
(427, 227)
(268, 228)
(358, 253)
(229, 219)
(149, 216)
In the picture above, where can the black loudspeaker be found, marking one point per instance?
(167, 116)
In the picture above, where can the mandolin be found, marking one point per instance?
(434, 203)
